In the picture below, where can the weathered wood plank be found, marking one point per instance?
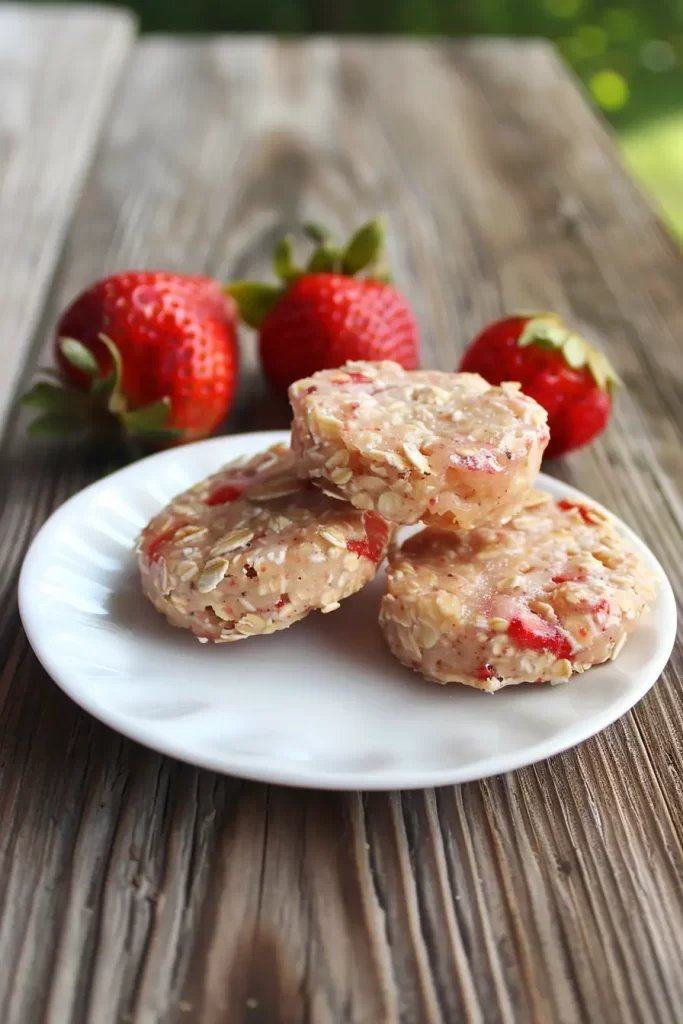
(58, 72)
(137, 889)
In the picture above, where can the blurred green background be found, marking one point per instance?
(629, 55)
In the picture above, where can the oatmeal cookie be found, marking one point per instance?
(253, 549)
(444, 448)
(553, 592)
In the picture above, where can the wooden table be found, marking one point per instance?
(137, 889)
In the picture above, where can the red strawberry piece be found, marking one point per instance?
(230, 485)
(573, 381)
(154, 544)
(535, 634)
(357, 378)
(581, 509)
(485, 672)
(224, 494)
(323, 316)
(376, 537)
(154, 350)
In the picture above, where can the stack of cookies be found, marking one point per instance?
(502, 586)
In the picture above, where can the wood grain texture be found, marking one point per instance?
(137, 889)
(58, 72)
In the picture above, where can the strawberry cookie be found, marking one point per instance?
(253, 549)
(445, 448)
(555, 591)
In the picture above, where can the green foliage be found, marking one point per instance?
(621, 21)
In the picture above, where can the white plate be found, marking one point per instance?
(321, 704)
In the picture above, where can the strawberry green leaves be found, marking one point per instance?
(364, 248)
(63, 408)
(317, 233)
(547, 331)
(79, 356)
(365, 252)
(59, 411)
(325, 260)
(148, 423)
(48, 397)
(362, 254)
(283, 261)
(254, 300)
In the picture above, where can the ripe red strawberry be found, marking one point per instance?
(155, 350)
(572, 380)
(320, 317)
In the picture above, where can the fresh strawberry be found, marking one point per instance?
(320, 317)
(155, 351)
(572, 380)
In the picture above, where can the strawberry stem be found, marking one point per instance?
(117, 403)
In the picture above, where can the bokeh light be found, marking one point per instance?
(620, 24)
(563, 8)
(658, 55)
(610, 89)
(570, 48)
(591, 40)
